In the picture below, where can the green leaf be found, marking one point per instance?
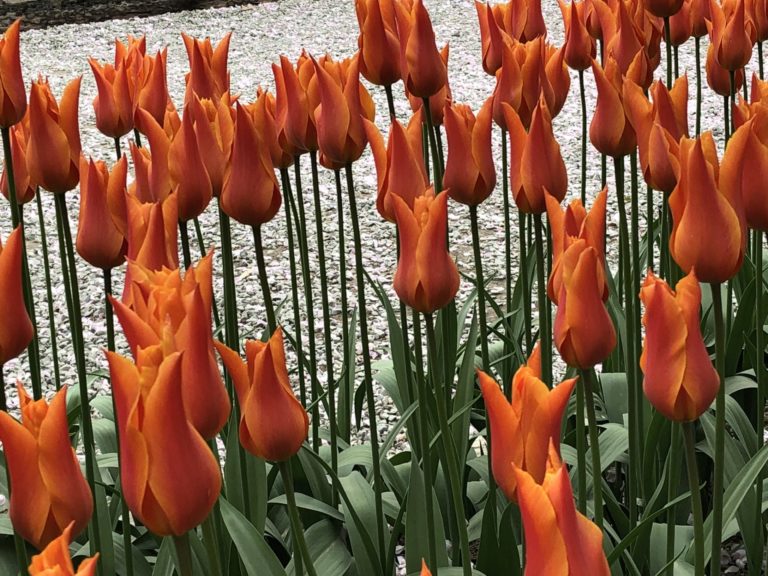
(326, 548)
(416, 532)
(257, 557)
(615, 395)
(308, 503)
(362, 499)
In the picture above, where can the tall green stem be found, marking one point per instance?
(480, 285)
(760, 59)
(698, 515)
(636, 280)
(390, 102)
(436, 165)
(697, 41)
(507, 373)
(344, 431)
(49, 292)
(581, 449)
(668, 43)
(526, 289)
(757, 249)
(582, 93)
(184, 235)
(451, 464)
(297, 530)
(673, 478)
(544, 331)
(378, 485)
(183, 555)
(266, 293)
(649, 235)
(590, 386)
(8, 156)
(719, 473)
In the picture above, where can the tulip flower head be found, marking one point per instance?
(523, 429)
(378, 41)
(439, 100)
(53, 149)
(610, 131)
(424, 570)
(49, 490)
(152, 87)
(491, 36)
(208, 75)
(681, 24)
(719, 78)
(744, 169)
(729, 35)
(13, 95)
(423, 71)
(264, 116)
(115, 102)
(273, 424)
(25, 188)
(16, 329)
(55, 560)
(427, 278)
(579, 47)
(295, 106)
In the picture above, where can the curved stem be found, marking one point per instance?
(183, 555)
(297, 530)
(693, 484)
(49, 292)
(544, 331)
(719, 473)
(264, 280)
(590, 386)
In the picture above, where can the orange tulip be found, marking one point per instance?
(610, 130)
(251, 194)
(681, 24)
(427, 278)
(424, 570)
(521, 20)
(55, 560)
(24, 187)
(153, 94)
(13, 95)
(535, 163)
(439, 100)
(491, 37)
(423, 70)
(49, 491)
(572, 224)
(470, 174)
(160, 302)
(680, 380)
(344, 103)
(53, 149)
(708, 231)
(719, 78)
(378, 41)
(757, 106)
(523, 429)
(399, 165)
(757, 12)
(292, 86)
(744, 170)
(16, 330)
(659, 127)
(729, 35)
(208, 75)
(559, 540)
(115, 101)
(263, 113)
(99, 242)
(273, 424)
(169, 475)
(583, 330)
(663, 8)
(579, 47)
(152, 164)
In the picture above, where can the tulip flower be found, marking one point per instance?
(427, 278)
(344, 103)
(663, 8)
(24, 186)
(700, 14)
(659, 127)
(757, 106)
(632, 41)
(399, 165)
(522, 21)
(251, 194)
(524, 427)
(681, 24)
(439, 100)
(115, 101)
(99, 242)
(728, 33)
(49, 490)
(16, 329)
(293, 102)
(559, 540)
(53, 149)
(680, 380)
(757, 13)
(423, 70)
(55, 560)
(610, 130)
(744, 170)
(208, 75)
(378, 41)
(152, 94)
(579, 47)
(264, 116)
(708, 231)
(273, 423)
(160, 302)
(535, 162)
(13, 100)
(583, 330)
(719, 78)
(152, 165)
(570, 225)
(491, 37)
(470, 174)
(424, 570)
(170, 477)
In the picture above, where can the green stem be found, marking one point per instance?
(669, 51)
(636, 280)
(757, 249)
(726, 121)
(590, 386)
(8, 156)
(649, 234)
(297, 530)
(527, 305)
(760, 59)
(344, 431)
(719, 473)
(436, 166)
(451, 464)
(263, 280)
(378, 485)
(697, 41)
(184, 234)
(698, 515)
(33, 354)
(118, 150)
(288, 203)
(582, 93)
(581, 449)
(49, 292)
(137, 137)
(390, 102)
(201, 245)
(406, 338)
(507, 374)
(183, 554)
(72, 291)
(544, 331)
(677, 62)
(673, 479)
(480, 285)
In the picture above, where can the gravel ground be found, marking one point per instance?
(261, 33)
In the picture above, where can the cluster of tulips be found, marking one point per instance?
(200, 459)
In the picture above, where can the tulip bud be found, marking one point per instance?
(24, 187)
(158, 445)
(579, 46)
(491, 38)
(680, 380)
(610, 130)
(708, 231)
(732, 45)
(208, 75)
(526, 426)
(273, 424)
(152, 169)
(583, 329)
(153, 94)
(13, 95)
(378, 41)
(99, 242)
(681, 25)
(53, 149)
(264, 116)
(427, 278)
(744, 171)
(292, 85)
(439, 100)
(424, 570)
(470, 174)
(55, 560)
(423, 70)
(16, 329)
(700, 14)
(49, 490)
(114, 103)
(719, 78)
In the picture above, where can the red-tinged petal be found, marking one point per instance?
(406, 176)
(542, 165)
(406, 282)
(607, 126)
(438, 273)
(504, 427)
(237, 369)
(426, 71)
(187, 170)
(332, 117)
(16, 329)
(48, 156)
(744, 171)
(517, 143)
(13, 97)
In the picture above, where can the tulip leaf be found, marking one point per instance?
(740, 326)
(465, 392)
(8, 563)
(257, 557)
(416, 532)
(326, 548)
(615, 395)
(140, 565)
(346, 384)
(361, 496)
(308, 503)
